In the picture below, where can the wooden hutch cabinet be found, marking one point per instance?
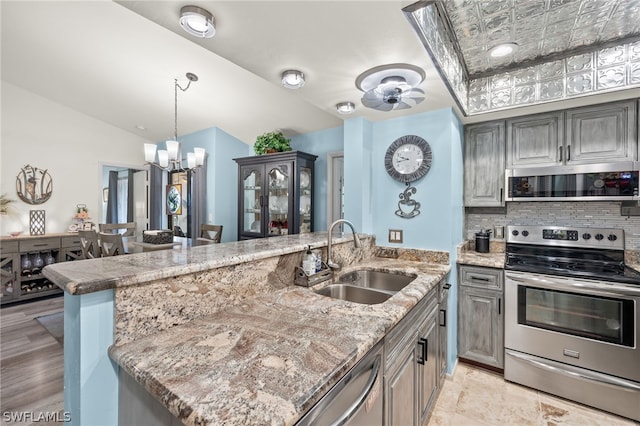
(275, 194)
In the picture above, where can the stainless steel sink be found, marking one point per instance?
(354, 294)
(377, 280)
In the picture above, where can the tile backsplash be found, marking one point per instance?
(602, 214)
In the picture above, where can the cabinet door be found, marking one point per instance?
(481, 326)
(535, 140)
(427, 365)
(251, 218)
(279, 191)
(602, 133)
(400, 391)
(442, 335)
(484, 165)
(9, 287)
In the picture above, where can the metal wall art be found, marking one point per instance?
(33, 185)
(36, 222)
(408, 208)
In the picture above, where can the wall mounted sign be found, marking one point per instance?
(36, 222)
(174, 199)
(34, 186)
(408, 159)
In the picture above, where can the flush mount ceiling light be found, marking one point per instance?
(345, 107)
(292, 79)
(197, 21)
(393, 86)
(502, 50)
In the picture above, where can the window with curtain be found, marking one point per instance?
(123, 196)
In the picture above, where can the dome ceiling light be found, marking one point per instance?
(345, 107)
(197, 21)
(292, 79)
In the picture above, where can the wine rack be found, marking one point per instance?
(22, 261)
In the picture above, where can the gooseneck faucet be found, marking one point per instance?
(356, 242)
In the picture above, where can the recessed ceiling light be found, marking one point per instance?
(197, 21)
(502, 50)
(345, 107)
(292, 79)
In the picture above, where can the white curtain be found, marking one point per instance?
(123, 197)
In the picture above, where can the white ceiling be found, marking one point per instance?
(117, 62)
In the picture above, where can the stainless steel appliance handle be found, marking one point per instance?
(364, 395)
(576, 284)
(573, 372)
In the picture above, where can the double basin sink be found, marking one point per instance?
(366, 286)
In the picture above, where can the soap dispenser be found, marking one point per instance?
(309, 262)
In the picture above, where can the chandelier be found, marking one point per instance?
(170, 159)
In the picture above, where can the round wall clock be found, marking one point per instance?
(408, 158)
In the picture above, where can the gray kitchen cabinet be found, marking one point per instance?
(534, 140)
(411, 365)
(442, 331)
(480, 315)
(602, 133)
(9, 268)
(484, 163)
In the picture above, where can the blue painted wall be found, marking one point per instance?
(320, 143)
(222, 172)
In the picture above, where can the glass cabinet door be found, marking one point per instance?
(279, 177)
(305, 199)
(8, 266)
(252, 199)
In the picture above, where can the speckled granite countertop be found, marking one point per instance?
(93, 275)
(268, 360)
(468, 256)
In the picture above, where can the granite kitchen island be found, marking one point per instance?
(219, 334)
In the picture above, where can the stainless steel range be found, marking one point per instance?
(572, 316)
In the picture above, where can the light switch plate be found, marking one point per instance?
(395, 236)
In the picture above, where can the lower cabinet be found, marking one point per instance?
(481, 315)
(412, 365)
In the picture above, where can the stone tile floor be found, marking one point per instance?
(477, 397)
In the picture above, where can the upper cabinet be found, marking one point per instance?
(601, 133)
(275, 194)
(594, 134)
(535, 140)
(484, 152)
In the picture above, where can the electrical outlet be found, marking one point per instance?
(498, 232)
(395, 236)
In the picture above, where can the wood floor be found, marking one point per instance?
(31, 364)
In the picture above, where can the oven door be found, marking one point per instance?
(584, 323)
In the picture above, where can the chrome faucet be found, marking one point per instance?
(356, 242)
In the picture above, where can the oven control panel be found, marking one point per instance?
(609, 238)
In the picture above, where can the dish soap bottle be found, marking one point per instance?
(309, 262)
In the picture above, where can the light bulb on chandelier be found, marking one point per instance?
(170, 159)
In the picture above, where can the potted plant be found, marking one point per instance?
(271, 142)
(5, 203)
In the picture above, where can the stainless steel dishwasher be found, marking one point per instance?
(356, 400)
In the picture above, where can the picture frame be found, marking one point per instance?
(174, 199)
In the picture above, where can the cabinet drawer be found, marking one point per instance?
(40, 244)
(71, 241)
(8, 247)
(481, 277)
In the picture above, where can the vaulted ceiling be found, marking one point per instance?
(116, 61)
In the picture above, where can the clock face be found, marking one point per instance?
(408, 158)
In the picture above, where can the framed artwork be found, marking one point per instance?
(174, 199)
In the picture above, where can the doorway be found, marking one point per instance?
(335, 187)
(131, 199)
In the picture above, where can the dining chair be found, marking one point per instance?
(115, 228)
(89, 244)
(111, 244)
(211, 232)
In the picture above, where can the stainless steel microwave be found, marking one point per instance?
(596, 182)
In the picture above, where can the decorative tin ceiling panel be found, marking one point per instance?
(568, 49)
(539, 27)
